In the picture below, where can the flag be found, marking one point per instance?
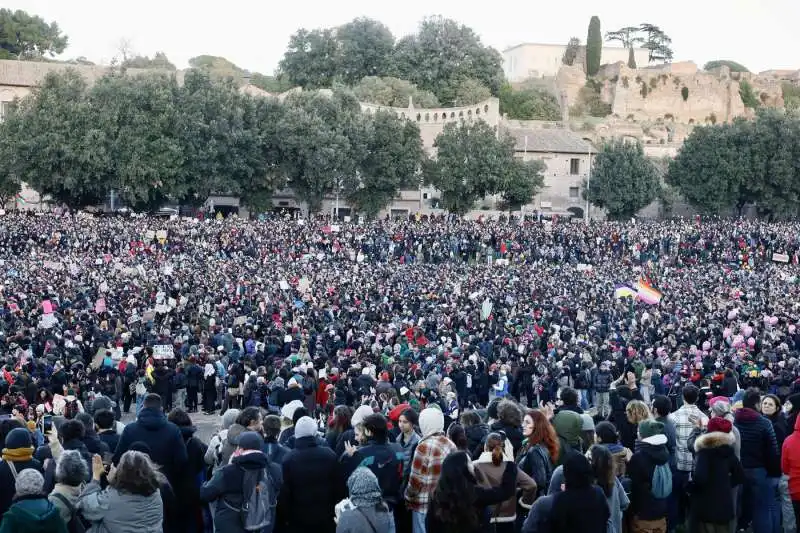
(623, 291)
(648, 294)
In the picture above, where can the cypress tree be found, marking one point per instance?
(594, 47)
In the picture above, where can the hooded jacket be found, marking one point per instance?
(568, 426)
(111, 511)
(167, 447)
(651, 453)
(716, 472)
(790, 460)
(33, 515)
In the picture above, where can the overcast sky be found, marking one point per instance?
(253, 34)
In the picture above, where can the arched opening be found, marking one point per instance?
(577, 212)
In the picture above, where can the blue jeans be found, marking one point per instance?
(418, 522)
(139, 402)
(760, 501)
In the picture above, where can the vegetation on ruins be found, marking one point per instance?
(732, 65)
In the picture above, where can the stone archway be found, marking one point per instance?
(577, 212)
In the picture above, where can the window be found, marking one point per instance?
(3, 110)
(574, 191)
(574, 166)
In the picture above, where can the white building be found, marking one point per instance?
(532, 60)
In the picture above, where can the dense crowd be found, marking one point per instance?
(434, 375)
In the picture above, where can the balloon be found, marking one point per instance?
(751, 342)
(792, 328)
(738, 340)
(732, 314)
(726, 333)
(742, 326)
(766, 319)
(748, 331)
(773, 320)
(706, 346)
(692, 349)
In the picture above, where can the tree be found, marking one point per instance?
(732, 65)
(524, 180)
(791, 96)
(528, 104)
(272, 84)
(748, 95)
(159, 62)
(393, 92)
(24, 36)
(629, 37)
(471, 162)
(311, 59)
(218, 68)
(594, 47)
(623, 180)
(392, 158)
(571, 52)
(656, 42)
(442, 54)
(366, 47)
(470, 92)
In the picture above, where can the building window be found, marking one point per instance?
(574, 166)
(3, 110)
(574, 191)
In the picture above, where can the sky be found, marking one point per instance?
(253, 34)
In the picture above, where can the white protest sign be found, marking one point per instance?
(163, 351)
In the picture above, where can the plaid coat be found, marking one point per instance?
(426, 467)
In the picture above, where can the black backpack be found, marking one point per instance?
(76, 523)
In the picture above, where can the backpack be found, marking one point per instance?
(661, 483)
(258, 500)
(76, 523)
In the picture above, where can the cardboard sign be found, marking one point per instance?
(163, 351)
(780, 258)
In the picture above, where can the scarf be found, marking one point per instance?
(17, 454)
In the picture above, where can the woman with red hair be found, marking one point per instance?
(540, 449)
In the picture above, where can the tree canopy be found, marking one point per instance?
(158, 61)
(623, 180)
(594, 47)
(24, 36)
(646, 35)
(732, 65)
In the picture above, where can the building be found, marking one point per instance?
(533, 60)
(567, 157)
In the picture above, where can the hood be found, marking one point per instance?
(77, 445)
(746, 415)
(251, 461)
(37, 514)
(714, 439)
(615, 448)
(394, 414)
(655, 448)
(568, 425)
(187, 431)
(151, 419)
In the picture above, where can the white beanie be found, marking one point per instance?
(360, 414)
(305, 427)
(287, 411)
(431, 420)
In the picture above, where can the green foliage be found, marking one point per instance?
(594, 47)
(528, 104)
(311, 59)
(159, 62)
(685, 93)
(471, 91)
(791, 96)
(218, 68)
(24, 36)
(571, 52)
(590, 102)
(366, 47)
(393, 92)
(732, 65)
(271, 84)
(726, 167)
(748, 95)
(471, 163)
(623, 180)
(656, 42)
(524, 180)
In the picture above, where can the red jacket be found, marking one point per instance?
(790, 460)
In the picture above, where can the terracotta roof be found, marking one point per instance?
(549, 141)
(31, 73)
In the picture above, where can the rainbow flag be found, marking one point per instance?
(623, 291)
(648, 294)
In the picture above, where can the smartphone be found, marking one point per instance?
(47, 423)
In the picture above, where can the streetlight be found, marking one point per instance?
(588, 183)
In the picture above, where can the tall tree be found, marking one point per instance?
(623, 180)
(571, 52)
(594, 47)
(311, 58)
(442, 54)
(24, 36)
(524, 180)
(392, 158)
(366, 47)
(471, 162)
(393, 92)
(656, 42)
(629, 37)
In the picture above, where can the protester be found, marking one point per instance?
(31, 512)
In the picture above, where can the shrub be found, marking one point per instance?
(677, 81)
(625, 81)
(653, 83)
(643, 91)
(748, 95)
(732, 65)
(685, 93)
(669, 116)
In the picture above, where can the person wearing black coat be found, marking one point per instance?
(311, 484)
(163, 437)
(188, 492)
(645, 506)
(17, 454)
(717, 471)
(579, 494)
(384, 459)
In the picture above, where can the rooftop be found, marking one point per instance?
(549, 141)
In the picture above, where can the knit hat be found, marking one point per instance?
(305, 427)
(721, 408)
(364, 488)
(588, 422)
(719, 424)
(29, 482)
(360, 414)
(287, 411)
(229, 417)
(650, 428)
(18, 438)
(431, 421)
(250, 440)
(102, 402)
(278, 382)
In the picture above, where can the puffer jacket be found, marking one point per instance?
(602, 381)
(490, 475)
(111, 511)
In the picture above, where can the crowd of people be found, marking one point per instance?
(421, 375)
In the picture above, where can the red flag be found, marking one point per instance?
(8, 377)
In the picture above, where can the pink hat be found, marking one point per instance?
(716, 399)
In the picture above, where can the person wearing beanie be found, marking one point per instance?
(220, 437)
(568, 426)
(426, 465)
(71, 473)
(17, 456)
(311, 490)
(651, 479)
(228, 482)
(717, 472)
(380, 457)
(364, 509)
(31, 512)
